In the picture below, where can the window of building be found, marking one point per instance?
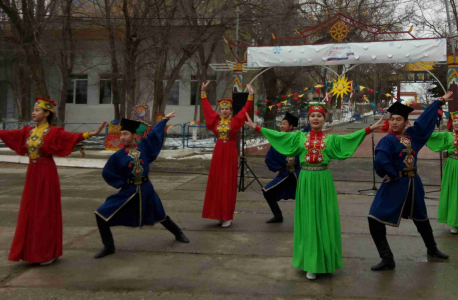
(211, 90)
(174, 95)
(77, 89)
(106, 95)
(105, 91)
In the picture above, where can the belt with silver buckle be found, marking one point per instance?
(318, 168)
(408, 173)
(138, 180)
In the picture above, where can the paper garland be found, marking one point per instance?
(353, 88)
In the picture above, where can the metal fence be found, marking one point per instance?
(179, 136)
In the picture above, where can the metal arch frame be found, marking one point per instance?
(349, 69)
(430, 73)
(267, 69)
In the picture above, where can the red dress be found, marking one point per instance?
(221, 191)
(38, 236)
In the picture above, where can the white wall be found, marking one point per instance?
(94, 61)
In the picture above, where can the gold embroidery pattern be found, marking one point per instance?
(409, 159)
(315, 148)
(138, 173)
(33, 146)
(455, 143)
(223, 128)
(290, 165)
(137, 169)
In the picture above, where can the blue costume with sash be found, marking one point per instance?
(284, 184)
(396, 156)
(137, 203)
(403, 196)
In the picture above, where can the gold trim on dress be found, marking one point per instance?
(277, 184)
(130, 198)
(224, 128)
(402, 208)
(310, 168)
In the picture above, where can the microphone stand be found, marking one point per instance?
(374, 188)
(440, 159)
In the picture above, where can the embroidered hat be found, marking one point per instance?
(292, 120)
(317, 107)
(400, 109)
(225, 102)
(130, 125)
(45, 104)
(454, 115)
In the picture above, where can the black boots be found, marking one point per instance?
(108, 242)
(424, 228)
(378, 233)
(173, 228)
(385, 264)
(107, 238)
(273, 204)
(434, 252)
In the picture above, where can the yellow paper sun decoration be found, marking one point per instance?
(341, 87)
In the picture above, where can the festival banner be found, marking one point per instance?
(349, 53)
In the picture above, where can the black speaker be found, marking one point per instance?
(240, 100)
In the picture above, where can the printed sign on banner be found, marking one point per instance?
(350, 53)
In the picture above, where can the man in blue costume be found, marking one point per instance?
(401, 194)
(137, 203)
(284, 185)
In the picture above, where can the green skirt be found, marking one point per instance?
(448, 201)
(317, 238)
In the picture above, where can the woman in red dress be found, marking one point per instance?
(38, 237)
(221, 191)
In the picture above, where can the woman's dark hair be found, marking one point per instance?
(50, 117)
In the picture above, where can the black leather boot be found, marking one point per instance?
(378, 233)
(385, 264)
(107, 238)
(173, 228)
(273, 204)
(426, 231)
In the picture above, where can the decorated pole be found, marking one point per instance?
(452, 82)
(237, 78)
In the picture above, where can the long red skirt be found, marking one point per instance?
(38, 236)
(221, 191)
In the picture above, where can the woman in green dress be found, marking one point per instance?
(317, 239)
(448, 201)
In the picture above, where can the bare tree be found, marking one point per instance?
(28, 20)
(66, 54)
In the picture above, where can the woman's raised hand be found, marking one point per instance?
(99, 130)
(249, 122)
(170, 115)
(250, 89)
(378, 124)
(447, 96)
(204, 86)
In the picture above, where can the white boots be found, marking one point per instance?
(45, 263)
(311, 276)
(454, 230)
(226, 223)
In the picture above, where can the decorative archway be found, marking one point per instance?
(375, 48)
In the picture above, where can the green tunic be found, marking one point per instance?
(317, 239)
(448, 201)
